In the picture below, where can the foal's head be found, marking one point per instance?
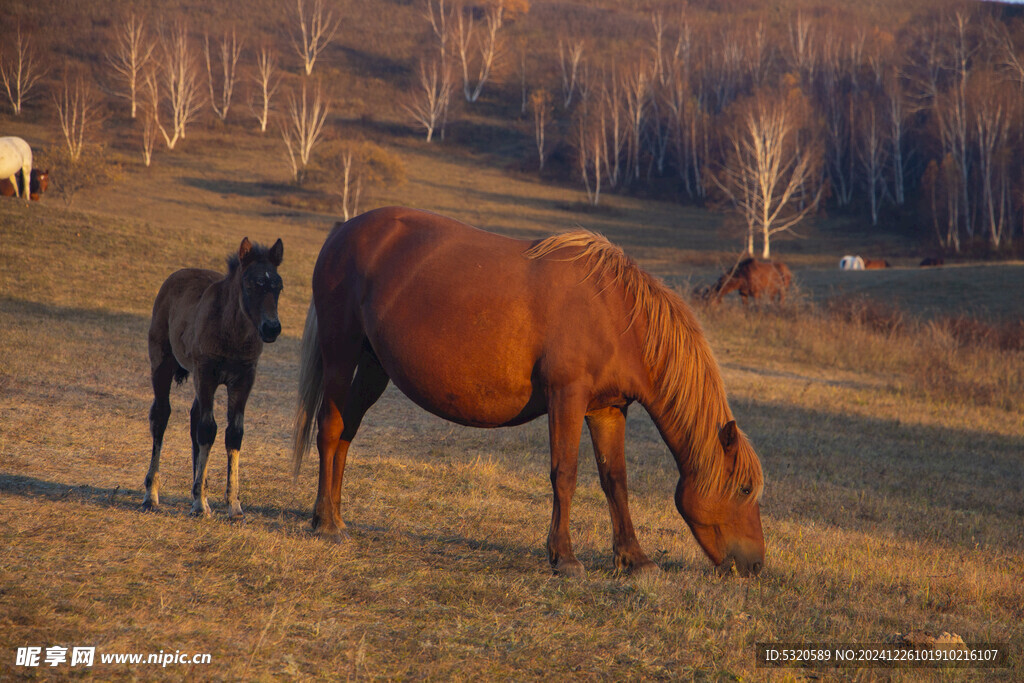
(261, 286)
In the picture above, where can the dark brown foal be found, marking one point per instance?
(212, 326)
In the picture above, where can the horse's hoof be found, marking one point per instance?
(646, 568)
(570, 569)
(235, 513)
(149, 506)
(336, 535)
(200, 510)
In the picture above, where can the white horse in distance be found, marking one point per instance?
(16, 155)
(851, 263)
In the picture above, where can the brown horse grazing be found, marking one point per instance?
(752, 278)
(214, 327)
(875, 264)
(40, 181)
(489, 331)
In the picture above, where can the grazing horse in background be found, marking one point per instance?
(488, 331)
(932, 261)
(752, 278)
(851, 263)
(212, 326)
(16, 155)
(36, 187)
(875, 264)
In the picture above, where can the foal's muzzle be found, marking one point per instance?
(269, 330)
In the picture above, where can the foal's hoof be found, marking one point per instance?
(200, 509)
(570, 569)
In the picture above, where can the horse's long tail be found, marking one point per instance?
(311, 390)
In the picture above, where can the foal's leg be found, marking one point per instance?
(238, 394)
(204, 432)
(608, 432)
(160, 411)
(340, 417)
(565, 422)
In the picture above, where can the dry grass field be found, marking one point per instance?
(894, 460)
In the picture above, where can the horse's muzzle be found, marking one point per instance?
(269, 330)
(744, 566)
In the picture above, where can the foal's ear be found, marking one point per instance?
(244, 251)
(729, 437)
(276, 253)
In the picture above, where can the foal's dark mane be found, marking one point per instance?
(258, 253)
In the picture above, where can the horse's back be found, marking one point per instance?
(460, 319)
(174, 310)
(14, 150)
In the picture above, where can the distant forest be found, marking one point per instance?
(907, 115)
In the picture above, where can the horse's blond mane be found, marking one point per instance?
(678, 357)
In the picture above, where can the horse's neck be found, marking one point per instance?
(235, 327)
(688, 403)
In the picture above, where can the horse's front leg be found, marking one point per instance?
(566, 409)
(26, 182)
(238, 394)
(204, 432)
(608, 432)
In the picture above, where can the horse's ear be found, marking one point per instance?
(244, 251)
(729, 437)
(276, 252)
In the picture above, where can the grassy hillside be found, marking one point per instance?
(891, 439)
(892, 499)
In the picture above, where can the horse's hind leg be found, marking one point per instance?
(341, 414)
(159, 413)
(238, 394)
(204, 432)
(608, 432)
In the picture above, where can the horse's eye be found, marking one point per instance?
(260, 282)
(746, 490)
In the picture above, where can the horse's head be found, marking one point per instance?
(261, 286)
(40, 181)
(727, 520)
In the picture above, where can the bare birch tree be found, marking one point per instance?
(636, 88)
(872, 153)
(992, 116)
(132, 53)
(570, 54)
(230, 51)
(173, 86)
(768, 183)
(267, 82)
(303, 126)
(77, 112)
(429, 104)
(21, 74)
(317, 28)
(149, 134)
(440, 22)
(540, 107)
(484, 48)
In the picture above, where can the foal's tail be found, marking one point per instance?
(311, 390)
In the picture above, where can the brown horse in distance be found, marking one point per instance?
(489, 331)
(875, 264)
(212, 326)
(40, 181)
(753, 278)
